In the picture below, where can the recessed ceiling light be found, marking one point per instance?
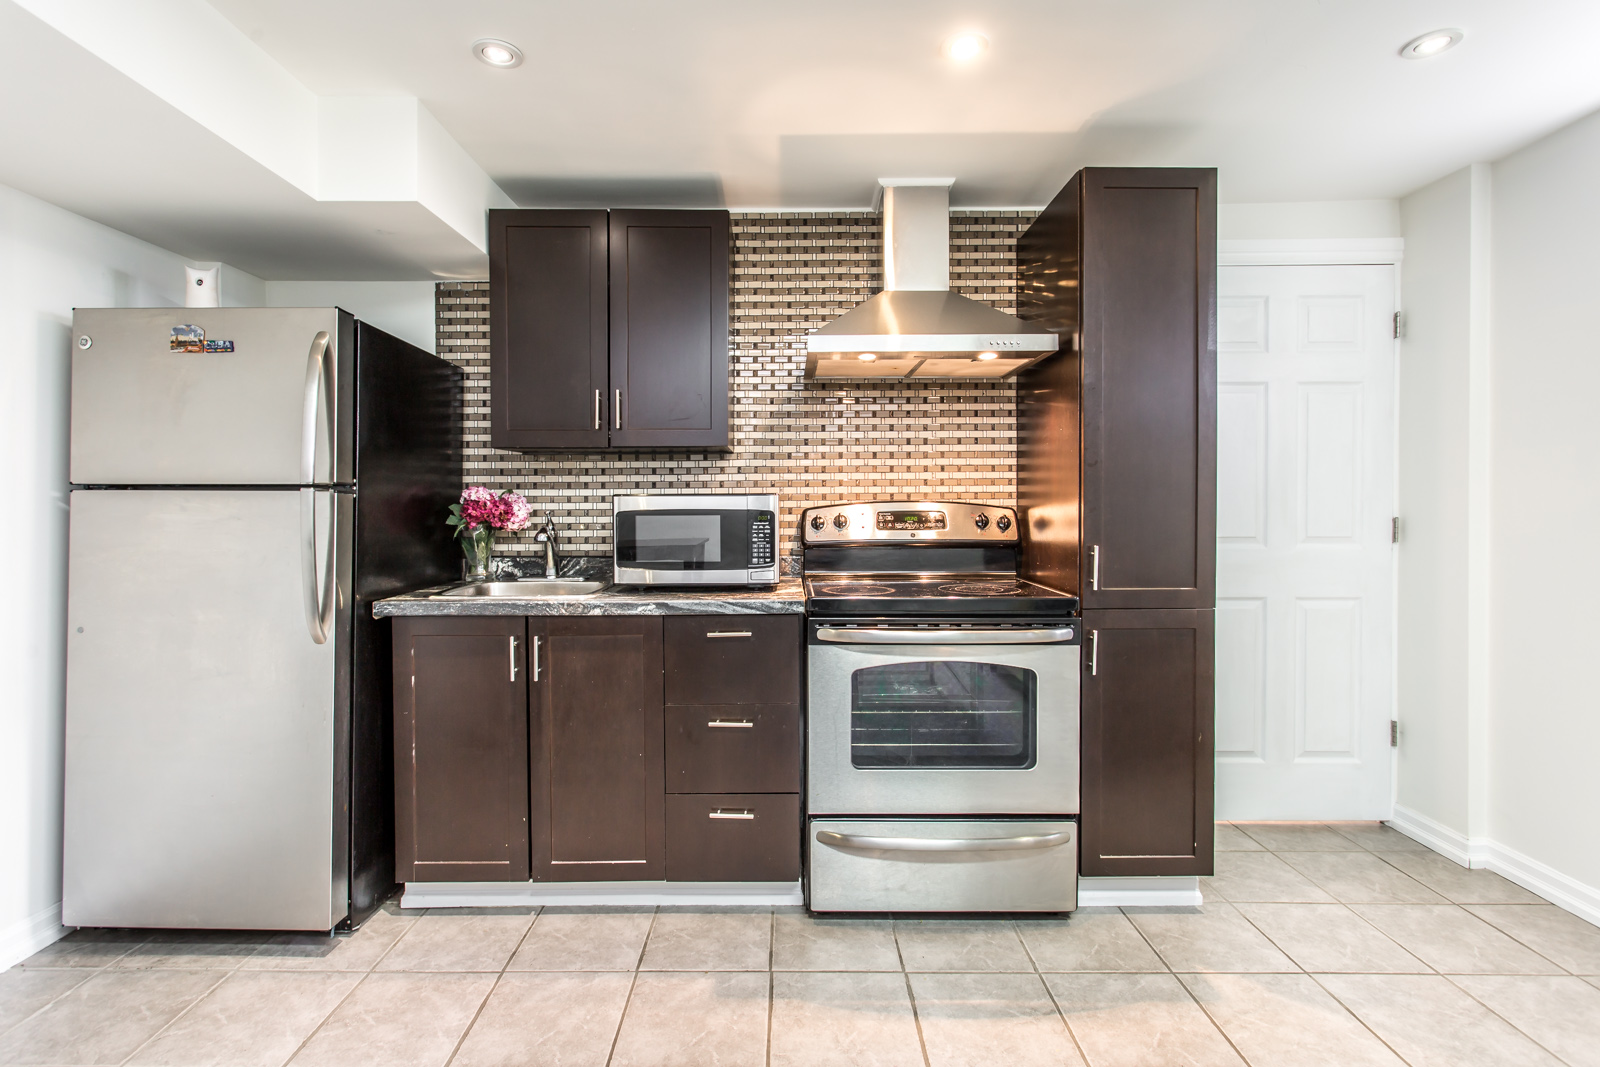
(1431, 44)
(966, 46)
(867, 357)
(497, 53)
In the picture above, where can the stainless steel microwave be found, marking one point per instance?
(714, 539)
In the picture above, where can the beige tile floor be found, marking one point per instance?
(1340, 945)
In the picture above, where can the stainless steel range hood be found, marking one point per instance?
(916, 327)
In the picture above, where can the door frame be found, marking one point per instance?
(1348, 252)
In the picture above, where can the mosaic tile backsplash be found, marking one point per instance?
(812, 442)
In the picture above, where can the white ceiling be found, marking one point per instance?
(359, 139)
(756, 103)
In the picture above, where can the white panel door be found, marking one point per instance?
(1305, 500)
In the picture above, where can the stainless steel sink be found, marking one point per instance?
(527, 589)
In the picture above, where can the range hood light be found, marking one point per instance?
(867, 357)
(988, 355)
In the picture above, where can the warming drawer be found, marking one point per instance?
(942, 864)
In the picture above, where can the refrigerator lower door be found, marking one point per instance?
(205, 720)
(273, 405)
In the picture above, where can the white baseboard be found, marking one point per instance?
(22, 939)
(1437, 836)
(1177, 891)
(596, 894)
(1559, 889)
(1481, 852)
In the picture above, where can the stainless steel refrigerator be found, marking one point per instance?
(246, 481)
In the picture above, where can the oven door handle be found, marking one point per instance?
(871, 636)
(945, 844)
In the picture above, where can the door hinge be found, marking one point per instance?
(1399, 326)
(1394, 733)
(1394, 530)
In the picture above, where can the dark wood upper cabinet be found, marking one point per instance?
(608, 329)
(1122, 421)
(1148, 744)
(461, 744)
(669, 328)
(548, 329)
(597, 789)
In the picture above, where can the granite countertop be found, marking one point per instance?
(788, 597)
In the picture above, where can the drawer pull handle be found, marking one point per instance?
(721, 814)
(728, 633)
(944, 844)
(732, 724)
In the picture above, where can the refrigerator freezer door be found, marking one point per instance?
(204, 721)
(248, 402)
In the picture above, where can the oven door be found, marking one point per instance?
(943, 721)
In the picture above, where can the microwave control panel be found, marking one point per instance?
(763, 538)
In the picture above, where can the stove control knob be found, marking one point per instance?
(818, 522)
(841, 521)
(981, 521)
(1003, 523)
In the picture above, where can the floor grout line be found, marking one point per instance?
(633, 983)
(484, 1003)
(911, 995)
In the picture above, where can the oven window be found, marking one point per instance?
(659, 538)
(943, 714)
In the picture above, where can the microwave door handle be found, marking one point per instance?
(1054, 635)
(944, 844)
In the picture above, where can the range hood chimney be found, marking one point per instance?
(916, 327)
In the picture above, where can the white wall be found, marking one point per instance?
(1338, 219)
(405, 309)
(1545, 506)
(1442, 593)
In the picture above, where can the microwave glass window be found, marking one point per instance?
(943, 714)
(678, 538)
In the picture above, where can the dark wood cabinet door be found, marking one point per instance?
(1149, 387)
(548, 329)
(733, 659)
(596, 740)
(461, 749)
(669, 328)
(1148, 701)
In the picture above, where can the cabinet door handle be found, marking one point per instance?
(513, 659)
(1094, 566)
(1094, 652)
(720, 813)
(597, 409)
(535, 659)
(616, 410)
(732, 724)
(729, 633)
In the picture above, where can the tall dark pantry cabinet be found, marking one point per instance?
(1117, 478)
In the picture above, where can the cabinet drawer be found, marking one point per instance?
(733, 748)
(733, 659)
(749, 837)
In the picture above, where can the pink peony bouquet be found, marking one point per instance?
(484, 507)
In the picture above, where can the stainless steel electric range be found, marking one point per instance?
(942, 733)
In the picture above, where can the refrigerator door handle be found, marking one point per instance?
(319, 599)
(317, 378)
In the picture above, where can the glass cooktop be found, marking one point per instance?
(941, 595)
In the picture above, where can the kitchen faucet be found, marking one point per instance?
(552, 547)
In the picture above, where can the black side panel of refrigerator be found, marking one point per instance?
(408, 473)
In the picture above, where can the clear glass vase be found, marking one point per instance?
(478, 544)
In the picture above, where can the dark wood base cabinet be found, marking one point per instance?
(1148, 705)
(546, 748)
(461, 749)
